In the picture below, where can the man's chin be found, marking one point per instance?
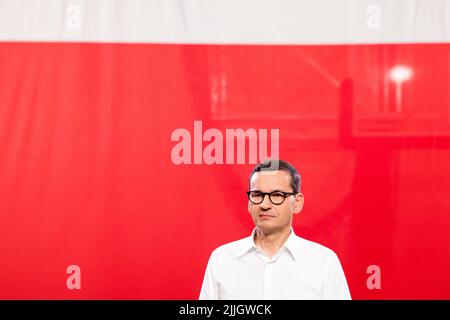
(266, 225)
(269, 226)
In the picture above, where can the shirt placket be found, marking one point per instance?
(268, 279)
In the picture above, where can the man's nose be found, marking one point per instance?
(266, 204)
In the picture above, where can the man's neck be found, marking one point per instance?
(271, 242)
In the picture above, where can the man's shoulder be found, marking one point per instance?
(306, 246)
(234, 247)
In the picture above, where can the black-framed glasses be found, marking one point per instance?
(276, 197)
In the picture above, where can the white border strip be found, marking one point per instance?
(227, 21)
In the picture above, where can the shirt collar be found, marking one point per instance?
(291, 244)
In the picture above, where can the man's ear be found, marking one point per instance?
(299, 201)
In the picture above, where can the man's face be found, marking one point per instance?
(266, 215)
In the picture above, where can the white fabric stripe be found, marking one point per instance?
(227, 21)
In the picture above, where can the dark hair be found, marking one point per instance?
(273, 165)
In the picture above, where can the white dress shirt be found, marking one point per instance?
(301, 269)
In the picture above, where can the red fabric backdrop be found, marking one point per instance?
(86, 175)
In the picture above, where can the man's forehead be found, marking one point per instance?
(274, 179)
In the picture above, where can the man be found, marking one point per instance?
(274, 263)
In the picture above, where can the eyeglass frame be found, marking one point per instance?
(285, 194)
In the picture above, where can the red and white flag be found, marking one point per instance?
(128, 130)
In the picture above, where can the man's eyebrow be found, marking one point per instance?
(275, 190)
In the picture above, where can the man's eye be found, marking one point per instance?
(277, 195)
